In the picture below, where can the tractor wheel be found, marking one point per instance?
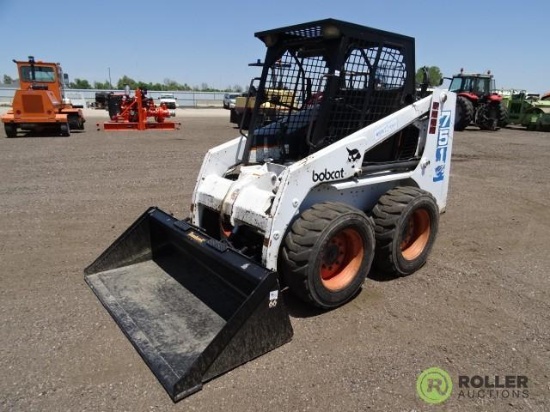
(64, 129)
(464, 113)
(531, 125)
(503, 117)
(533, 120)
(327, 254)
(406, 219)
(234, 117)
(75, 122)
(10, 129)
(487, 117)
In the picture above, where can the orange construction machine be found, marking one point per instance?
(40, 104)
(131, 112)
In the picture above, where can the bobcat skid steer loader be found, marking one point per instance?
(349, 177)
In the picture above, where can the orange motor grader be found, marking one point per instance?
(40, 104)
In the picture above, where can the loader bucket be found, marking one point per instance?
(193, 307)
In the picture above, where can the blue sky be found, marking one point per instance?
(212, 42)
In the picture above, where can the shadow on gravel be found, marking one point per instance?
(299, 309)
(29, 134)
(382, 277)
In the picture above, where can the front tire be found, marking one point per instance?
(407, 220)
(487, 117)
(10, 129)
(464, 113)
(327, 254)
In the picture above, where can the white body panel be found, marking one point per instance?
(270, 196)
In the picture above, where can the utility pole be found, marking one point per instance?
(110, 84)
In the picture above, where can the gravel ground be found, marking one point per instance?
(479, 307)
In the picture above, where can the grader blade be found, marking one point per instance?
(193, 307)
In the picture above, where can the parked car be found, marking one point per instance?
(229, 100)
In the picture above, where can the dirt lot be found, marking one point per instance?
(479, 307)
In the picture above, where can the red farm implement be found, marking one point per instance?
(127, 112)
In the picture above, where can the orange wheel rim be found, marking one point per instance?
(341, 259)
(416, 233)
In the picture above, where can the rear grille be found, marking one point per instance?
(32, 103)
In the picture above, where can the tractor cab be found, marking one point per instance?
(39, 75)
(475, 85)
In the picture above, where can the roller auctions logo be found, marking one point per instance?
(434, 386)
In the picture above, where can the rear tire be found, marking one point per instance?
(10, 129)
(76, 122)
(234, 117)
(407, 220)
(464, 113)
(327, 254)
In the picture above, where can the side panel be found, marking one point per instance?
(335, 163)
(434, 172)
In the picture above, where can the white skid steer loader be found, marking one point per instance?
(343, 170)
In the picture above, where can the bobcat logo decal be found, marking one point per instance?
(353, 155)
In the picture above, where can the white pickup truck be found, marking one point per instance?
(170, 101)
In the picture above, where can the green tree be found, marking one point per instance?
(7, 79)
(80, 84)
(434, 74)
(170, 84)
(125, 80)
(167, 85)
(142, 85)
(102, 85)
(158, 86)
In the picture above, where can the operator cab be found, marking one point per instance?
(322, 81)
(38, 75)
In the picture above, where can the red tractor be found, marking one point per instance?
(477, 104)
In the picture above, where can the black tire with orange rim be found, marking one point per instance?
(407, 220)
(327, 254)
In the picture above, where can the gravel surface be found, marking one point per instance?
(480, 306)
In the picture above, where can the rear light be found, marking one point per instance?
(433, 117)
(18, 112)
